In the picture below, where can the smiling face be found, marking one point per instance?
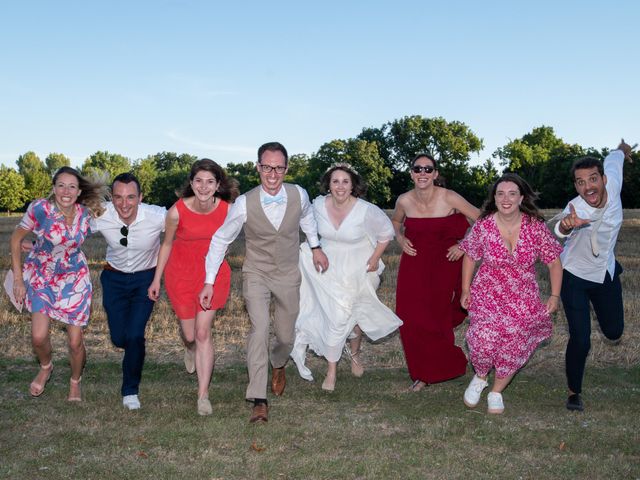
(340, 185)
(204, 185)
(508, 198)
(272, 181)
(423, 179)
(590, 185)
(126, 199)
(66, 190)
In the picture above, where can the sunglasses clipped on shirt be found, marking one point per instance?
(124, 231)
(421, 169)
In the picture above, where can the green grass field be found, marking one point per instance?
(369, 428)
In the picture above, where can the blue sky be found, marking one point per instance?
(217, 79)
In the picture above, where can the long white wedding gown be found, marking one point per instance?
(334, 302)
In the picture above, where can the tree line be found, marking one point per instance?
(381, 155)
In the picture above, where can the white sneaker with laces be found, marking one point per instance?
(473, 391)
(131, 402)
(494, 403)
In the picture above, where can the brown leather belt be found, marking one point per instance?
(107, 266)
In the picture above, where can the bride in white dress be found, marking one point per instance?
(341, 302)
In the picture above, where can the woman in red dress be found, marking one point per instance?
(190, 224)
(429, 220)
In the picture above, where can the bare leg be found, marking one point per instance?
(354, 344)
(499, 384)
(41, 342)
(188, 334)
(204, 351)
(329, 383)
(77, 359)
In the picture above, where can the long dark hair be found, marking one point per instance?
(227, 187)
(93, 193)
(528, 205)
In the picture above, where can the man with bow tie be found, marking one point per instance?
(272, 215)
(591, 223)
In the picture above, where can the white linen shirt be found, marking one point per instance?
(143, 239)
(577, 256)
(237, 216)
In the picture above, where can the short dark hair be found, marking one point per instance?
(528, 205)
(227, 187)
(127, 177)
(359, 188)
(586, 162)
(274, 147)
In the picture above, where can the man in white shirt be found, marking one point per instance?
(591, 224)
(272, 215)
(132, 230)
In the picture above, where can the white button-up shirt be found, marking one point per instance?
(143, 239)
(237, 216)
(577, 256)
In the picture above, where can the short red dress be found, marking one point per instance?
(184, 273)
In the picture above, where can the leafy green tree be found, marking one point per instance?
(363, 156)
(544, 160)
(13, 191)
(166, 161)
(245, 173)
(482, 178)
(172, 173)
(37, 180)
(103, 162)
(146, 172)
(451, 144)
(54, 161)
(631, 185)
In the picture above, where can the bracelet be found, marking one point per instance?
(316, 247)
(552, 295)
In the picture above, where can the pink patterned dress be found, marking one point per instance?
(56, 274)
(507, 318)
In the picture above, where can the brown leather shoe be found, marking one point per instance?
(278, 381)
(260, 413)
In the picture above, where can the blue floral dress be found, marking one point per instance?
(56, 274)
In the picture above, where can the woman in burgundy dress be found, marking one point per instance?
(429, 220)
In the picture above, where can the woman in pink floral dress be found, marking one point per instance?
(55, 282)
(507, 318)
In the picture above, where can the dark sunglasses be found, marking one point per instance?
(421, 169)
(124, 231)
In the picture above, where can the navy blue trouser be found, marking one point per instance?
(128, 307)
(606, 299)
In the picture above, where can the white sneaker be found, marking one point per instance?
(473, 391)
(494, 403)
(132, 402)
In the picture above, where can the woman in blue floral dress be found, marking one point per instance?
(54, 282)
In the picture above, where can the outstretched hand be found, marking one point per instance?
(572, 221)
(626, 149)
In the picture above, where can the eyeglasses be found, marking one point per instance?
(421, 169)
(124, 231)
(268, 169)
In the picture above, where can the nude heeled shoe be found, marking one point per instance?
(74, 397)
(36, 389)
